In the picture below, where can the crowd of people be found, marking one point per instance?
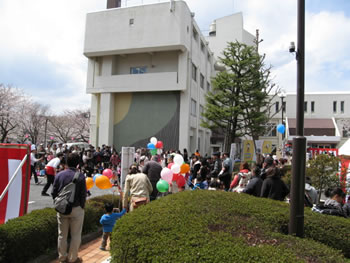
(215, 172)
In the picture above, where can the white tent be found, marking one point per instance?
(345, 148)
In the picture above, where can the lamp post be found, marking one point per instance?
(296, 219)
(282, 95)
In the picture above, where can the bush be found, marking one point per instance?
(34, 234)
(210, 226)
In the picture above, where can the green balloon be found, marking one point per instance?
(153, 151)
(162, 186)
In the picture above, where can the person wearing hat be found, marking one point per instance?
(33, 160)
(268, 162)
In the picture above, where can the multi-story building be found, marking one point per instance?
(326, 119)
(149, 68)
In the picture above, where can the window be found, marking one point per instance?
(194, 72)
(202, 47)
(277, 106)
(312, 106)
(342, 106)
(334, 107)
(193, 107)
(201, 110)
(208, 86)
(131, 21)
(195, 34)
(305, 106)
(201, 81)
(284, 106)
(138, 70)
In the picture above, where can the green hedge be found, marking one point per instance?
(215, 226)
(34, 234)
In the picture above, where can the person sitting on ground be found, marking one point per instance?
(273, 187)
(108, 221)
(255, 183)
(334, 204)
(268, 162)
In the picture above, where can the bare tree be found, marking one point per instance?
(11, 100)
(32, 122)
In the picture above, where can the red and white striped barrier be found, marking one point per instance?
(15, 201)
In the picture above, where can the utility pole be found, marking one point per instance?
(296, 222)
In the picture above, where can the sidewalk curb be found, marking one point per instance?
(52, 254)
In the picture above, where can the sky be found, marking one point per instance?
(41, 46)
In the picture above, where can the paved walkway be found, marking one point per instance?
(90, 252)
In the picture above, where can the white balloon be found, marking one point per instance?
(154, 140)
(178, 159)
(175, 168)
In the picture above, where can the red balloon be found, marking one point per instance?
(169, 165)
(108, 173)
(176, 177)
(180, 181)
(159, 145)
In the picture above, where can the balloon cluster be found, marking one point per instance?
(175, 171)
(154, 145)
(102, 181)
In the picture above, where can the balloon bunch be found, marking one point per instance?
(102, 181)
(154, 145)
(175, 171)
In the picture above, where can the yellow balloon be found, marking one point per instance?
(103, 182)
(89, 183)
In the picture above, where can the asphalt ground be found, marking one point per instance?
(37, 201)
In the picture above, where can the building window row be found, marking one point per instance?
(342, 106)
(312, 106)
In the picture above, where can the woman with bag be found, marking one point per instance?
(138, 187)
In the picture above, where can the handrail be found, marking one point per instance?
(13, 177)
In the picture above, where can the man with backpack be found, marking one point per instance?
(74, 220)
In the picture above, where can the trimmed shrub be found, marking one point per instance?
(27, 237)
(215, 226)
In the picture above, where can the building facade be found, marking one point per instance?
(326, 119)
(149, 68)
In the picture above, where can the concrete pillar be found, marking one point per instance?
(106, 119)
(94, 113)
(184, 79)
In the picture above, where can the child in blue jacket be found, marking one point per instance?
(108, 220)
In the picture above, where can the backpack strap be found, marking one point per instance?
(75, 178)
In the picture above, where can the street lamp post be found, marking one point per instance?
(282, 95)
(296, 222)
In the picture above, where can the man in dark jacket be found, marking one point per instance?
(153, 169)
(255, 184)
(217, 165)
(73, 221)
(273, 187)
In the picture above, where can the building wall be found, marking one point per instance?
(159, 101)
(141, 115)
(229, 29)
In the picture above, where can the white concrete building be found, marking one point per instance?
(228, 29)
(326, 114)
(148, 72)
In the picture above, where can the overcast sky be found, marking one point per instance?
(42, 43)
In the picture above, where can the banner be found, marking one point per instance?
(248, 150)
(266, 148)
(15, 202)
(345, 175)
(233, 152)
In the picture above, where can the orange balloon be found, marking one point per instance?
(185, 168)
(89, 183)
(103, 182)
